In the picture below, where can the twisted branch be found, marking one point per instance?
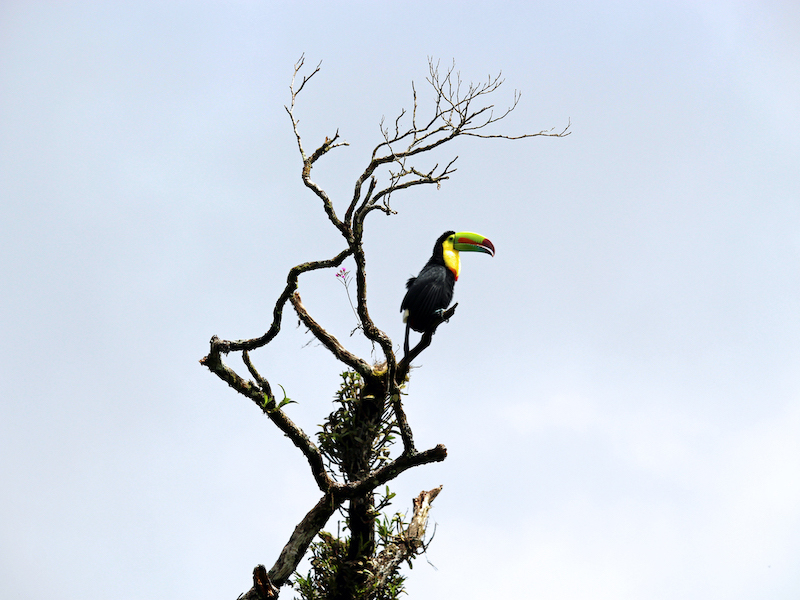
(267, 404)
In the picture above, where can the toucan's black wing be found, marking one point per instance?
(430, 291)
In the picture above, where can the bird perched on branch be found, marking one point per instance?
(429, 293)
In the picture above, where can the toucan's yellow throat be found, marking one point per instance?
(452, 259)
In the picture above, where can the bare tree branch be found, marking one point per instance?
(391, 470)
(407, 544)
(453, 116)
(267, 404)
(263, 588)
(308, 161)
(402, 422)
(301, 538)
(218, 345)
(405, 365)
(544, 133)
(330, 342)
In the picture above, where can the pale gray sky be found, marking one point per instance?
(618, 391)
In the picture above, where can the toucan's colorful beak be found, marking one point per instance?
(467, 241)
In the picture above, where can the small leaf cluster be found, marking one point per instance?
(357, 436)
(326, 555)
(323, 581)
(270, 405)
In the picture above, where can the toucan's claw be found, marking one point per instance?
(439, 312)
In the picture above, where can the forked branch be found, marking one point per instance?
(407, 543)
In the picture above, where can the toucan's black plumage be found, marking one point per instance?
(430, 292)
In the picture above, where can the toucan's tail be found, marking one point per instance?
(405, 346)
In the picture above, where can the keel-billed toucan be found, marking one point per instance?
(430, 292)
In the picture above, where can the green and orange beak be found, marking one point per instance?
(467, 241)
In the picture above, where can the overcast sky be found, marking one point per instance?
(618, 391)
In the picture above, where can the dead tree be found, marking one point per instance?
(350, 458)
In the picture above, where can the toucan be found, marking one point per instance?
(430, 292)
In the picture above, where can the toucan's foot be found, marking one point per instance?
(439, 312)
